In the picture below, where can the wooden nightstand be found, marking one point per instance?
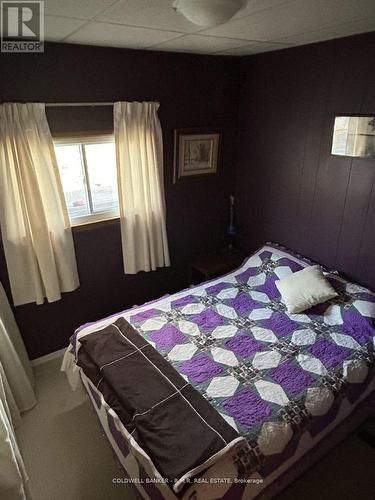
(209, 266)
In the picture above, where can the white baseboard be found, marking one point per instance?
(47, 357)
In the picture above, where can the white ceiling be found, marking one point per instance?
(261, 26)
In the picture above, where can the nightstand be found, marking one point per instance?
(212, 265)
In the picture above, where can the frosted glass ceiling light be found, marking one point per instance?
(208, 12)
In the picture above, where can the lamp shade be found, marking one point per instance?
(208, 12)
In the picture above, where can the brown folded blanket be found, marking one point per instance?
(179, 430)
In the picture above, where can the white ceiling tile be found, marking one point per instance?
(116, 35)
(155, 24)
(268, 47)
(148, 13)
(200, 44)
(82, 9)
(57, 28)
(257, 5)
(346, 29)
(293, 18)
(255, 48)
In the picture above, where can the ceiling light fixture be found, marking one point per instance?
(208, 12)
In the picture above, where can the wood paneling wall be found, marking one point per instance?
(194, 91)
(290, 189)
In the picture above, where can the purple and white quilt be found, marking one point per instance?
(273, 376)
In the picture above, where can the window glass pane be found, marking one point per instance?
(101, 165)
(73, 179)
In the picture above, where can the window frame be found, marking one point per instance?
(81, 141)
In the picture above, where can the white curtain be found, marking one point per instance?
(13, 476)
(35, 226)
(16, 396)
(139, 153)
(15, 361)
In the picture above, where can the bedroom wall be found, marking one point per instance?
(289, 188)
(194, 91)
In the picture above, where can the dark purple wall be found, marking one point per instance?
(194, 91)
(289, 188)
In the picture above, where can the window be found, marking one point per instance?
(88, 174)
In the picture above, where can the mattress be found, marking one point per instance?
(282, 381)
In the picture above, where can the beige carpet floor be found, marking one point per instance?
(65, 453)
(68, 458)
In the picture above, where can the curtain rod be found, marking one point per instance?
(73, 104)
(79, 104)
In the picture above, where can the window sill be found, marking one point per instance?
(88, 225)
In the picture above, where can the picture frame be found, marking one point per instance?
(196, 152)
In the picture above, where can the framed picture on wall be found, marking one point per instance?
(196, 152)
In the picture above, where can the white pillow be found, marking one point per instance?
(305, 289)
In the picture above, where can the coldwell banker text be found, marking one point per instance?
(22, 26)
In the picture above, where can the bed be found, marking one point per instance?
(270, 385)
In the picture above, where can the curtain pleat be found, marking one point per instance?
(13, 476)
(16, 396)
(139, 156)
(14, 358)
(34, 221)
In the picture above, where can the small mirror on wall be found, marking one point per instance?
(354, 136)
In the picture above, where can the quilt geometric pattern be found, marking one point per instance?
(267, 372)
